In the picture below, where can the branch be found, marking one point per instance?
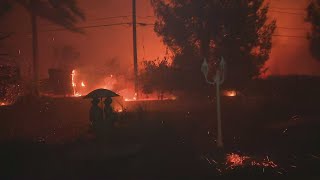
(5, 36)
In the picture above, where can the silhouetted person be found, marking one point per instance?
(109, 114)
(96, 117)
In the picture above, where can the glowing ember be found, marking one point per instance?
(3, 104)
(235, 159)
(264, 163)
(77, 95)
(82, 84)
(230, 93)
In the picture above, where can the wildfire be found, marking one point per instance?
(111, 81)
(73, 74)
(76, 92)
(135, 96)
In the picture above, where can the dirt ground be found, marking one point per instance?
(51, 138)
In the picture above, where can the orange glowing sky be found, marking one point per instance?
(289, 55)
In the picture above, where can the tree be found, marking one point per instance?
(156, 77)
(63, 12)
(313, 17)
(5, 6)
(196, 29)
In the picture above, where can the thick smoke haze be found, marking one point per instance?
(105, 45)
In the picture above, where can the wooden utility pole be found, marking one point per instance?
(135, 54)
(35, 88)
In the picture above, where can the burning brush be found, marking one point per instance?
(234, 160)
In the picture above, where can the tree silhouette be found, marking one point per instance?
(196, 29)
(156, 77)
(313, 16)
(61, 12)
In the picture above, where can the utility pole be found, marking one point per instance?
(135, 54)
(35, 88)
(218, 80)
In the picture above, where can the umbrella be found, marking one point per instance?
(100, 93)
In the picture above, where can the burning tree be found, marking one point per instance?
(313, 11)
(196, 29)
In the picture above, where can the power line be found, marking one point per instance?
(284, 8)
(100, 19)
(292, 28)
(94, 19)
(285, 12)
(149, 16)
(289, 36)
(111, 17)
(87, 27)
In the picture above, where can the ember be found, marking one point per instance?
(234, 160)
(230, 93)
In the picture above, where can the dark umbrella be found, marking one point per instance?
(100, 93)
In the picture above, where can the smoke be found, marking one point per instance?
(290, 52)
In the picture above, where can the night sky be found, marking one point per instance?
(100, 45)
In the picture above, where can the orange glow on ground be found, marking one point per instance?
(230, 93)
(233, 160)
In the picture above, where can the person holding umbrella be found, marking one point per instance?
(100, 120)
(109, 114)
(96, 116)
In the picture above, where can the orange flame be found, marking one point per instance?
(73, 74)
(230, 93)
(82, 84)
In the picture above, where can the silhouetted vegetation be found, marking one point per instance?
(157, 77)
(237, 30)
(313, 11)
